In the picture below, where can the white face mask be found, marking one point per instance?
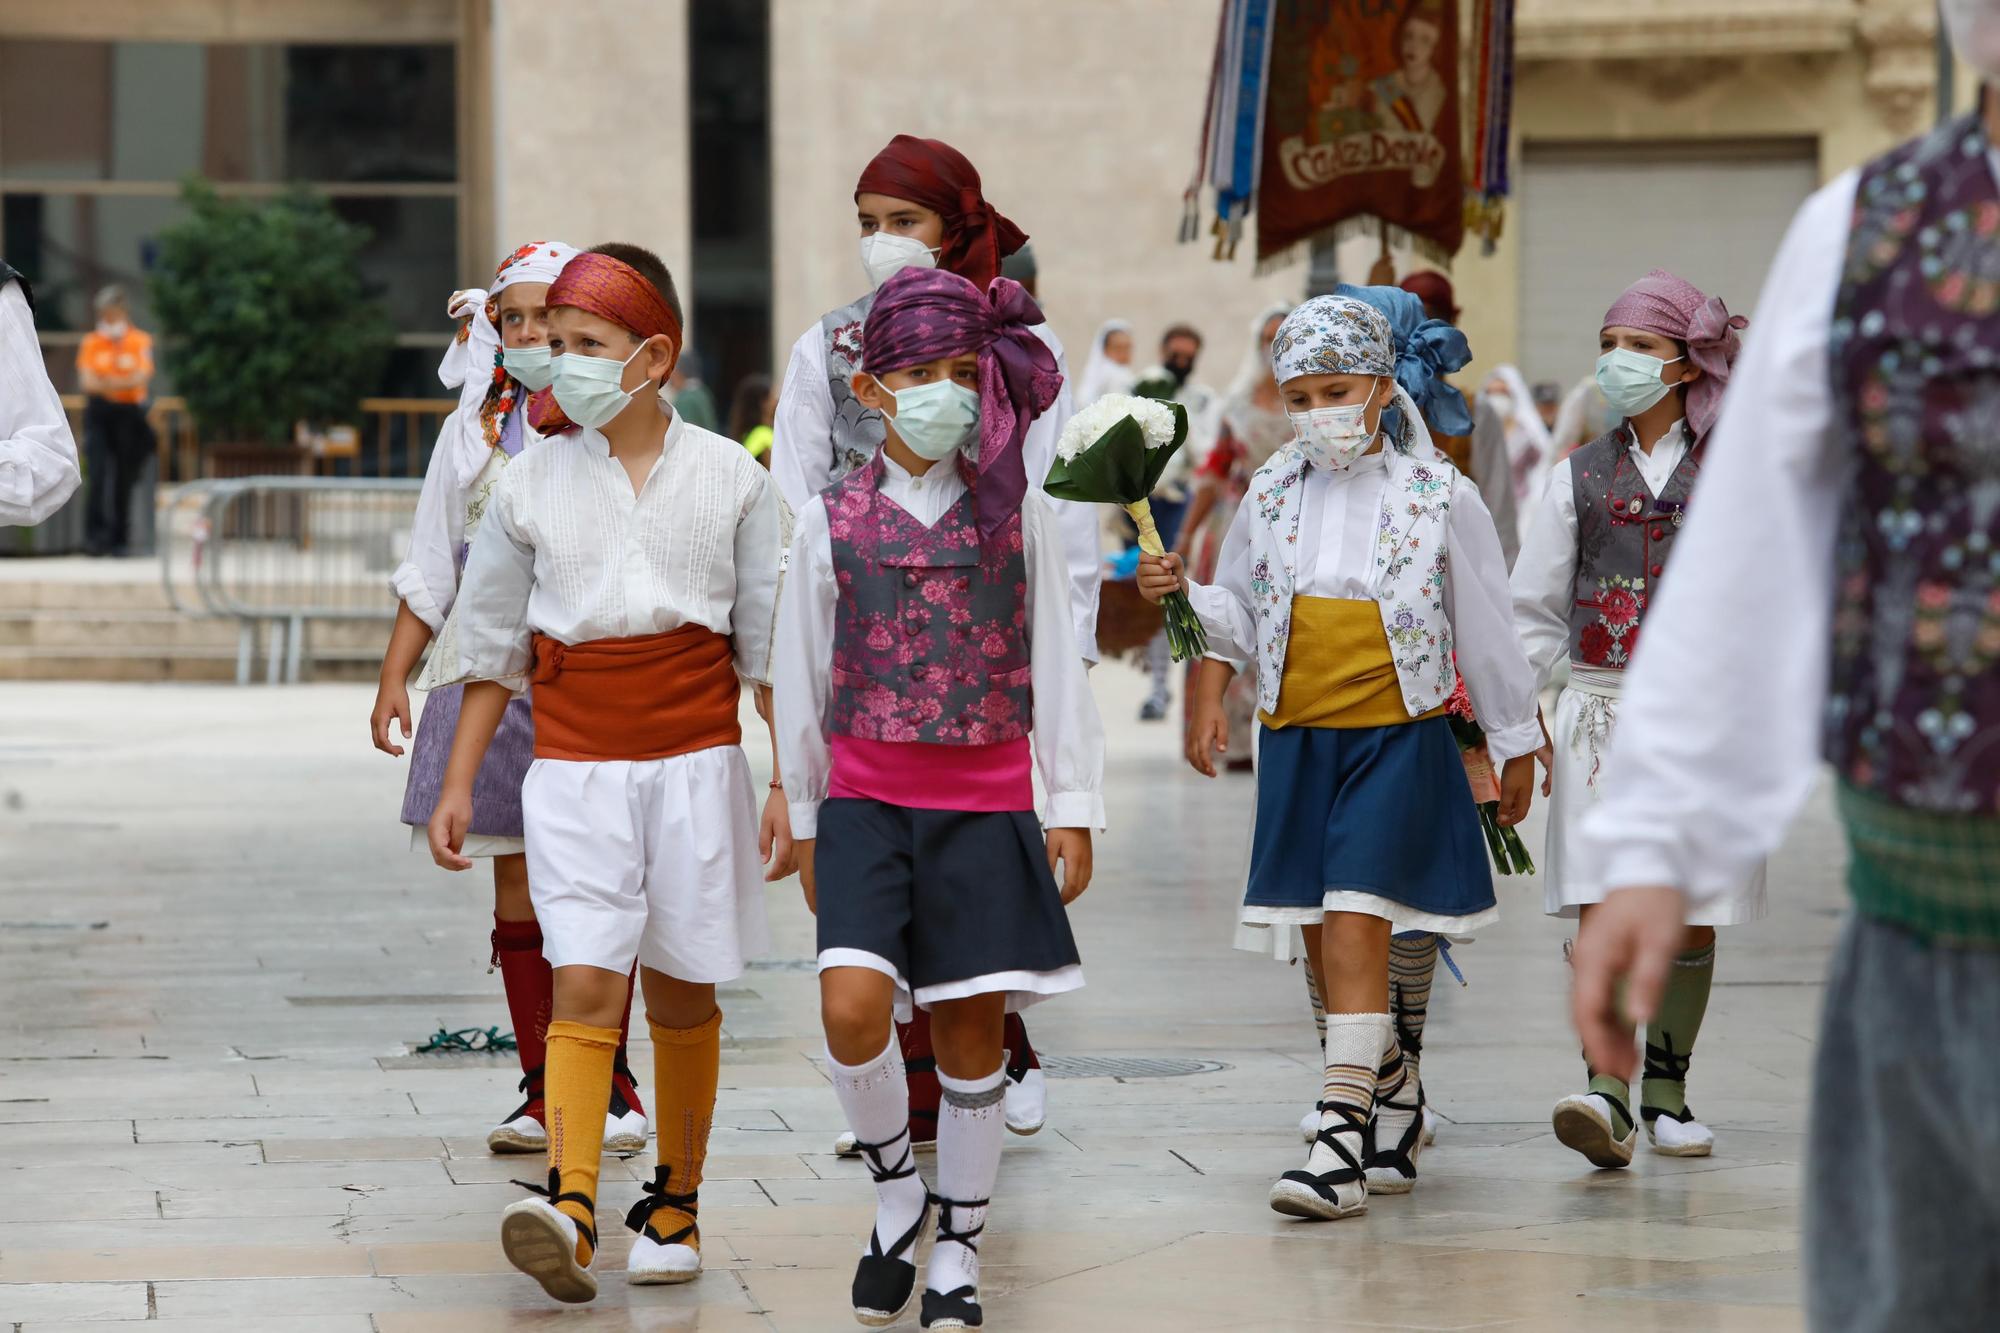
(934, 420)
(113, 329)
(883, 256)
(1974, 26)
(530, 365)
(588, 387)
(1333, 437)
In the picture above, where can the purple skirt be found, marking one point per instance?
(496, 792)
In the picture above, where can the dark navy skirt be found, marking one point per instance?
(1381, 810)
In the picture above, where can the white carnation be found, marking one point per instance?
(1155, 420)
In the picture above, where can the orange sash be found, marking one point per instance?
(650, 697)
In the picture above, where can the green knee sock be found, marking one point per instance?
(1670, 1036)
(1616, 1092)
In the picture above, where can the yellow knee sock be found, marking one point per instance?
(577, 1086)
(687, 1067)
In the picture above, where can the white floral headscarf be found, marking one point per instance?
(471, 363)
(1333, 335)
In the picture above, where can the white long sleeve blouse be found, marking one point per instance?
(1338, 519)
(568, 550)
(802, 465)
(1544, 579)
(38, 467)
(1718, 739)
(427, 580)
(1068, 736)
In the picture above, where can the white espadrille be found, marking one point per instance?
(1677, 1136)
(540, 1240)
(1584, 1123)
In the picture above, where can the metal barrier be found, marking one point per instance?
(277, 553)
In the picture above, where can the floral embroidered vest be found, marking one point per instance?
(1913, 705)
(857, 430)
(1408, 578)
(930, 639)
(1623, 534)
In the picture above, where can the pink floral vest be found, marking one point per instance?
(930, 640)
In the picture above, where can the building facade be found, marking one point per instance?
(727, 135)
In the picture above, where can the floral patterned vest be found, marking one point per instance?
(930, 638)
(857, 430)
(1623, 533)
(1408, 578)
(1913, 708)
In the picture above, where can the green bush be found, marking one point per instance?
(265, 315)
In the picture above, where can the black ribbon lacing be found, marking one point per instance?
(657, 1197)
(555, 1194)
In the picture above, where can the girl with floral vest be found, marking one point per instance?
(1360, 565)
(499, 358)
(1590, 567)
(919, 203)
(924, 633)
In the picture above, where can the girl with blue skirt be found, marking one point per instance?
(1361, 573)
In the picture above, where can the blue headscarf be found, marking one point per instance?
(1426, 351)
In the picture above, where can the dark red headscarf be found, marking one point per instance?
(977, 236)
(924, 314)
(610, 289)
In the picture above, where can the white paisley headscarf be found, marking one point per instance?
(1338, 335)
(471, 365)
(1333, 335)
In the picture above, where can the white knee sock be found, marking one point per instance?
(876, 1098)
(971, 1126)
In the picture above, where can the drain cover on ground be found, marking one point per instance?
(1126, 1066)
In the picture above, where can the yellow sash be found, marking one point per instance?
(1338, 672)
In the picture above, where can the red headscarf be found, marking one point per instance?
(1434, 290)
(610, 289)
(977, 236)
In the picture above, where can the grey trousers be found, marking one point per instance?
(1902, 1227)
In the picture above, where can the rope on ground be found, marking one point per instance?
(467, 1039)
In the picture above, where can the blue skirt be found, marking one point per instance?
(1380, 810)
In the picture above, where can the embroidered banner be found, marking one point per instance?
(1362, 125)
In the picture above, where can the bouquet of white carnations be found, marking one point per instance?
(1113, 452)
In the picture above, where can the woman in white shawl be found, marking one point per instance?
(1109, 369)
(1530, 449)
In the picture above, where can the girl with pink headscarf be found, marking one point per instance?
(1590, 565)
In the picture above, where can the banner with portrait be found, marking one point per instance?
(1362, 126)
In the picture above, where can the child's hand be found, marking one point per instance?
(1207, 737)
(1546, 756)
(802, 856)
(449, 824)
(1517, 789)
(1071, 846)
(392, 704)
(774, 837)
(1161, 576)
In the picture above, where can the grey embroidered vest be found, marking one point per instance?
(1623, 534)
(930, 640)
(1913, 700)
(857, 430)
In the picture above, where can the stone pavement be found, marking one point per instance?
(216, 950)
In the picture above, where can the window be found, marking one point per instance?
(97, 137)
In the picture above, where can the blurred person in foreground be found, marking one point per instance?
(1843, 551)
(38, 469)
(114, 363)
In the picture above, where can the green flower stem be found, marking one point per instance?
(1184, 633)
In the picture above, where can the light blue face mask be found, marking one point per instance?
(588, 388)
(934, 419)
(1631, 380)
(530, 365)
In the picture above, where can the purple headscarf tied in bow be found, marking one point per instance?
(928, 314)
(1664, 304)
